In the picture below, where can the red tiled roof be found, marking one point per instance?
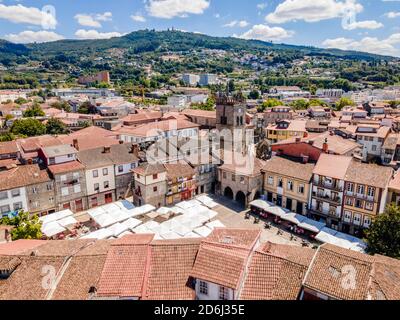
(19, 246)
(150, 129)
(66, 167)
(8, 147)
(329, 273)
(125, 268)
(223, 255)
(169, 268)
(21, 176)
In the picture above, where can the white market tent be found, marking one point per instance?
(181, 230)
(170, 236)
(192, 223)
(117, 229)
(311, 225)
(215, 224)
(339, 239)
(150, 225)
(56, 216)
(132, 223)
(294, 218)
(260, 204)
(105, 220)
(95, 212)
(99, 234)
(171, 223)
(68, 221)
(161, 229)
(203, 231)
(192, 235)
(184, 205)
(140, 211)
(164, 211)
(209, 214)
(177, 210)
(142, 230)
(207, 201)
(126, 233)
(52, 229)
(125, 205)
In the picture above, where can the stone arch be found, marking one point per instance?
(241, 198)
(228, 193)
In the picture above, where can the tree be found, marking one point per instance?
(344, 102)
(25, 226)
(61, 105)
(394, 104)
(269, 103)
(383, 237)
(34, 111)
(20, 101)
(300, 104)
(86, 108)
(55, 126)
(28, 127)
(8, 136)
(254, 94)
(208, 106)
(231, 86)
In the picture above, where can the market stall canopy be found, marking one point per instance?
(52, 229)
(203, 231)
(312, 225)
(215, 224)
(260, 204)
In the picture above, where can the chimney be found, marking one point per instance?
(135, 150)
(107, 149)
(305, 158)
(75, 144)
(325, 147)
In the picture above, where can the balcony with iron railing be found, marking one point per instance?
(325, 197)
(360, 196)
(326, 185)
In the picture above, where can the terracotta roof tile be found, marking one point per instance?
(125, 267)
(21, 176)
(66, 167)
(332, 166)
(169, 267)
(19, 246)
(329, 269)
(8, 147)
(289, 168)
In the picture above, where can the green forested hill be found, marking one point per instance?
(148, 41)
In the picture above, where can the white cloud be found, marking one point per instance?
(32, 36)
(236, 23)
(93, 20)
(30, 15)
(106, 16)
(138, 18)
(312, 10)
(262, 6)
(169, 9)
(94, 34)
(389, 46)
(367, 24)
(392, 14)
(266, 33)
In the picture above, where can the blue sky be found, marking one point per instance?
(366, 25)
